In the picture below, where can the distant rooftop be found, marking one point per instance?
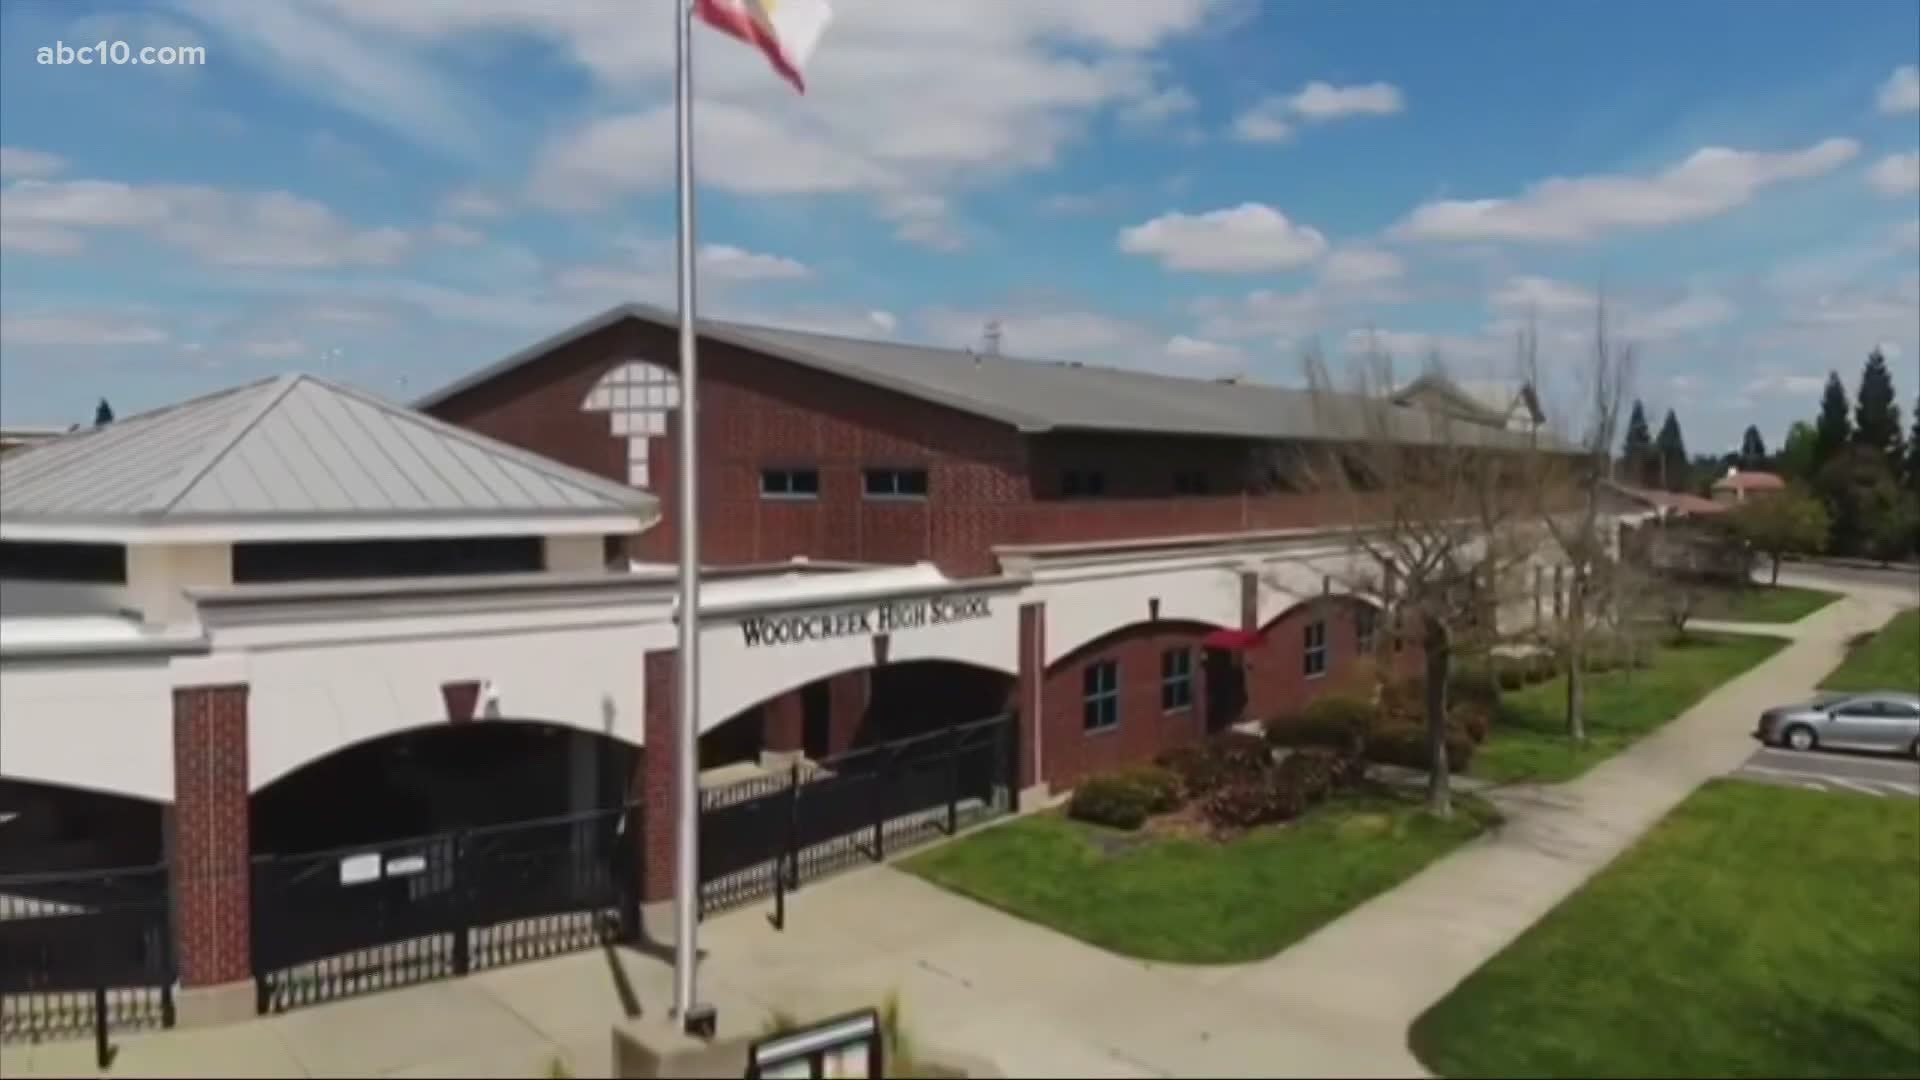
(297, 457)
(1749, 480)
(1032, 395)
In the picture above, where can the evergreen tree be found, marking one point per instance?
(1753, 449)
(1876, 419)
(1670, 452)
(1796, 454)
(1833, 430)
(1636, 455)
(102, 414)
(1913, 451)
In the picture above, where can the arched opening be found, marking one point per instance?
(856, 709)
(441, 778)
(50, 828)
(1132, 692)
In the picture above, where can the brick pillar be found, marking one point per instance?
(1249, 600)
(209, 848)
(1027, 709)
(658, 782)
(847, 697)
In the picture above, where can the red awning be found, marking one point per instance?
(1231, 639)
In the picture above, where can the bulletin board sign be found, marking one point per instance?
(845, 1046)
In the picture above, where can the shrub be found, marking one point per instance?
(1112, 800)
(1191, 765)
(1260, 800)
(1513, 676)
(1472, 720)
(1162, 787)
(1406, 745)
(1312, 771)
(1337, 720)
(1473, 684)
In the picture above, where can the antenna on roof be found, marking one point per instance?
(990, 338)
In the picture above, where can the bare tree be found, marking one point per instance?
(1425, 498)
(1575, 486)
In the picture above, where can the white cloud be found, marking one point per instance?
(276, 349)
(1461, 353)
(1546, 296)
(229, 228)
(335, 154)
(455, 234)
(95, 331)
(1324, 101)
(1265, 122)
(1896, 174)
(1709, 182)
(1794, 386)
(1201, 354)
(1158, 107)
(1248, 237)
(1272, 119)
(367, 75)
(469, 203)
(1691, 314)
(1361, 266)
(18, 162)
(737, 264)
(1906, 234)
(1901, 92)
(855, 324)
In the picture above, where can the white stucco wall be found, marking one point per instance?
(158, 574)
(1085, 604)
(102, 725)
(735, 676)
(575, 553)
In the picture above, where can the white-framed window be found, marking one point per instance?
(1100, 696)
(795, 483)
(1366, 630)
(896, 483)
(1313, 658)
(1176, 680)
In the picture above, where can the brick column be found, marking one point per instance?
(1027, 709)
(658, 781)
(209, 848)
(781, 720)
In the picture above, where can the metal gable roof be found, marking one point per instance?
(289, 448)
(1031, 395)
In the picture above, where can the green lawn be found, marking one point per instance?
(1770, 604)
(1757, 931)
(1889, 660)
(1191, 901)
(1529, 741)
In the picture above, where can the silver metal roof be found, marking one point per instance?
(294, 448)
(1031, 395)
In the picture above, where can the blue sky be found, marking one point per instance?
(398, 191)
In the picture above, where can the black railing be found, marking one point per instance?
(82, 952)
(335, 923)
(815, 818)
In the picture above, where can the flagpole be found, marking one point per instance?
(686, 916)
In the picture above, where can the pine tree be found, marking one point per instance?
(1670, 449)
(1833, 430)
(1753, 449)
(1636, 454)
(1913, 451)
(1876, 419)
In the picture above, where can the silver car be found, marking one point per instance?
(1880, 720)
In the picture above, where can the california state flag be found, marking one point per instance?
(785, 30)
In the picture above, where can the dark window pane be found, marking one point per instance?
(806, 482)
(913, 482)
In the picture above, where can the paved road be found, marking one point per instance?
(1822, 770)
(1843, 576)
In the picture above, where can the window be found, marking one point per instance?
(100, 564)
(790, 483)
(1314, 659)
(1190, 482)
(896, 483)
(1366, 627)
(345, 560)
(1100, 703)
(1081, 483)
(1176, 680)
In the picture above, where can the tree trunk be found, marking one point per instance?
(1776, 569)
(1439, 656)
(1577, 660)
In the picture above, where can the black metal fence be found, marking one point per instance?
(335, 923)
(84, 951)
(855, 808)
